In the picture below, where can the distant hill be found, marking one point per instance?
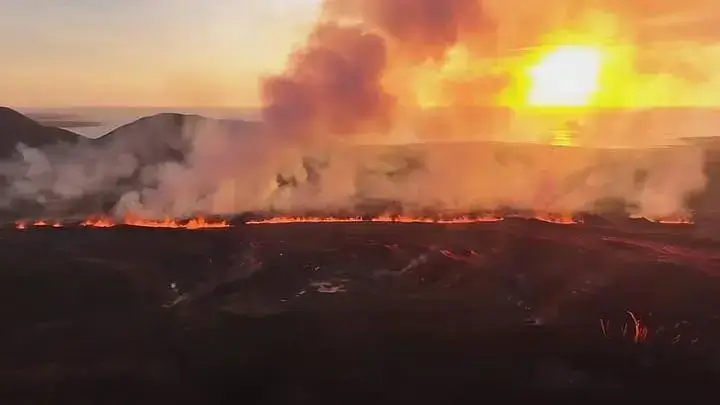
(16, 128)
(153, 139)
(708, 142)
(168, 136)
(150, 140)
(65, 121)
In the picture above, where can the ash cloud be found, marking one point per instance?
(332, 87)
(419, 29)
(344, 87)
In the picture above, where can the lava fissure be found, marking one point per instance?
(198, 223)
(108, 222)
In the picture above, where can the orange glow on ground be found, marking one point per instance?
(550, 218)
(107, 222)
(200, 223)
(380, 219)
(564, 219)
(674, 221)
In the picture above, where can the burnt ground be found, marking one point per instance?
(358, 313)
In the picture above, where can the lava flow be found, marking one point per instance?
(193, 224)
(562, 219)
(380, 219)
(312, 220)
(106, 222)
(196, 223)
(203, 223)
(37, 224)
(674, 221)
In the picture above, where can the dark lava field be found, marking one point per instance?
(361, 313)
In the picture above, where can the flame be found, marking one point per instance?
(106, 222)
(38, 223)
(203, 223)
(293, 220)
(152, 223)
(380, 219)
(638, 331)
(193, 224)
(457, 220)
(99, 223)
(680, 220)
(564, 219)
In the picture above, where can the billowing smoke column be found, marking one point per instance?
(422, 29)
(332, 87)
(335, 85)
(344, 87)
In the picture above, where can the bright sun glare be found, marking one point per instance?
(566, 77)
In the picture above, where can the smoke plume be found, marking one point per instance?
(332, 87)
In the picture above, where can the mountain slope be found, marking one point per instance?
(169, 136)
(16, 128)
(147, 144)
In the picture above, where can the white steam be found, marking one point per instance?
(227, 171)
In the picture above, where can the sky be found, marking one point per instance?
(211, 53)
(74, 53)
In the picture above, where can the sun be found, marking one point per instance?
(567, 76)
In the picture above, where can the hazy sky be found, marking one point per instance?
(144, 52)
(210, 53)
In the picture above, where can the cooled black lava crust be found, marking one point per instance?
(357, 313)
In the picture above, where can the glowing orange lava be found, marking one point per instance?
(40, 223)
(202, 223)
(457, 220)
(380, 219)
(192, 224)
(106, 222)
(153, 223)
(637, 331)
(312, 220)
(564, 219)
(674, 221)
(199, 223)
(99, 223)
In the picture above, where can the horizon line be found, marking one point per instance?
(131, 106)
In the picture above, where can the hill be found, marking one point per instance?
(115, 163)
(168, 136)
(16, 128)
(95, 171)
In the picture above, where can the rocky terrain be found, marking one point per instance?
(301, 313)
(349, 312)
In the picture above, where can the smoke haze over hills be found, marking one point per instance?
(178, 165)
(352, 83)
